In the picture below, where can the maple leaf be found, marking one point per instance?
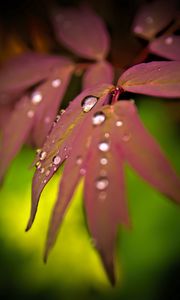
(94, 138)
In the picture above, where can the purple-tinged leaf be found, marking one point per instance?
(153, 17)
(25, 70)
(53, 91)
(158, 78)
(59, 142)
(82, 31)
(15, 133)
(98, 73)
(166, 46)
(144, 154)
(105, 192)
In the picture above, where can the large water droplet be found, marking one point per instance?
(56, 160)
(103, 146)
(98, 118)
(56, 83)
(36, 97)
(42, 155)
(103, 161)
(102, 183)
(88, 103)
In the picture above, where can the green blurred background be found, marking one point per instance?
(148, 256)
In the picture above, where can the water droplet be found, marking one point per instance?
(82, 171)
(47, 120)
(106, 135)
(42, 155)
(102, 183)
(62, 111)
(119, 123)
(103, 146)
(126, 137)
(30, 113)
(38, 165)
(169, 40)
(55, 169)
(36, 97)
(47, 173)
(38, 151)
(103, 161)
(56, 83)
(149, 20)
(138, 29)
(56, 160)
(42, 170)
(98, 118)
(102, 196)
(57, 119)
(88, 103)
(79, 160)
(44, 181)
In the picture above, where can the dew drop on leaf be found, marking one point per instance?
(98, 118)
(56, 83)
(42, 155)
(103, 161)
(106, 135)
(47, 173)
(56, 160)
(88, 103)
(103, 146)
(36, 97)
(119, 123)
(102, 183)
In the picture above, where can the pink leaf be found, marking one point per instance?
(153, 17)
(82, 31)
(161, 79)
(15, 133)
(59, 142)
(25, 70)
(105, 192)
(143, 153)
(98, 73)
(166, 46)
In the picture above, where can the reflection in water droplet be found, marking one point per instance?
(169, 40)
(126, 137)
(102, 195)
(102, 183)
(82, 171)
(103, 146)
(30, 113)
(79, 160)
(119, 123)
(36, 97)
(56, 160)
(98, 118)
(42, 155)
(103, 161)
(88, 103)
(56, 83)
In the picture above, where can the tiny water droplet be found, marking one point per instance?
(103, 161)
(47, 120)
(57, 118)
(82, 171)
(62, 111)
(119, 123)
(103, 146)
(56, 160)
(38, 151)
(44, 181)
(36, 97)
(30, 113)
(55, 169)
(169, 40)
(47, 173)
(56, 83)
(42, 155)
(79, 160)
(88, 103)
(149, 20)
(98, 118)
(106, 135)
(102, 183)
(126, 137)
(38, 165)
(42, 170)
